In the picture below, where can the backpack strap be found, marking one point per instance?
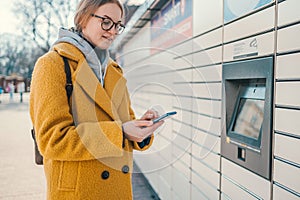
(69, 85)
(69, 90)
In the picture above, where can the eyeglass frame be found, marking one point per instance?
(114, 24)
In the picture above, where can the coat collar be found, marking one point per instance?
(108, 97)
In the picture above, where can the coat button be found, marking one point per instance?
(105, 175)
(125, 169)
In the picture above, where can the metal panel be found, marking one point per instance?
(238, 77)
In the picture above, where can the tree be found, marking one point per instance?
(17, 56)
(41, 19)
(9, 53)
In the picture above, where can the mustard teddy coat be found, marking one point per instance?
(85, 156)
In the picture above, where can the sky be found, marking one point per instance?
(8, 22)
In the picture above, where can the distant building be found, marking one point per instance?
(5, 80)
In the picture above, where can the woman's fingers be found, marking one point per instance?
(138, 130)
(150, 114)
(150, 129)
(143, 123)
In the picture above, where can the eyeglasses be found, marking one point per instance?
(108, 23)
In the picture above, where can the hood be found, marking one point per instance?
(72, 37)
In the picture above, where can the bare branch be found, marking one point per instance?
(42, 18)
(39, 22)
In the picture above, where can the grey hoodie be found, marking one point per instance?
(93, 60)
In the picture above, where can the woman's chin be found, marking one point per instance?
(104, 44)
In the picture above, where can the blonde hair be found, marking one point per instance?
(86, 7)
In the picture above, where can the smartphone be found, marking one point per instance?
(168, 114)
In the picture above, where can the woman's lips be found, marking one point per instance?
(108, 38)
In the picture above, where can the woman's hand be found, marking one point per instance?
(149, 115)
(138, 130)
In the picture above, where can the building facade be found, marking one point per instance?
(173, 53)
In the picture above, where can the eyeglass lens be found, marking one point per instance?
(107, 24)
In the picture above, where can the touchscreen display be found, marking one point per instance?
(249, 117)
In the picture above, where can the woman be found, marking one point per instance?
(87, 141)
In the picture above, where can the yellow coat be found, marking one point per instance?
(85, 156)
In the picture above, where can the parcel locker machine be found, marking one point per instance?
(247, 109)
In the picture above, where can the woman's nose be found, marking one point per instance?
(113, 31)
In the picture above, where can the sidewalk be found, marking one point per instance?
(20, 178)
